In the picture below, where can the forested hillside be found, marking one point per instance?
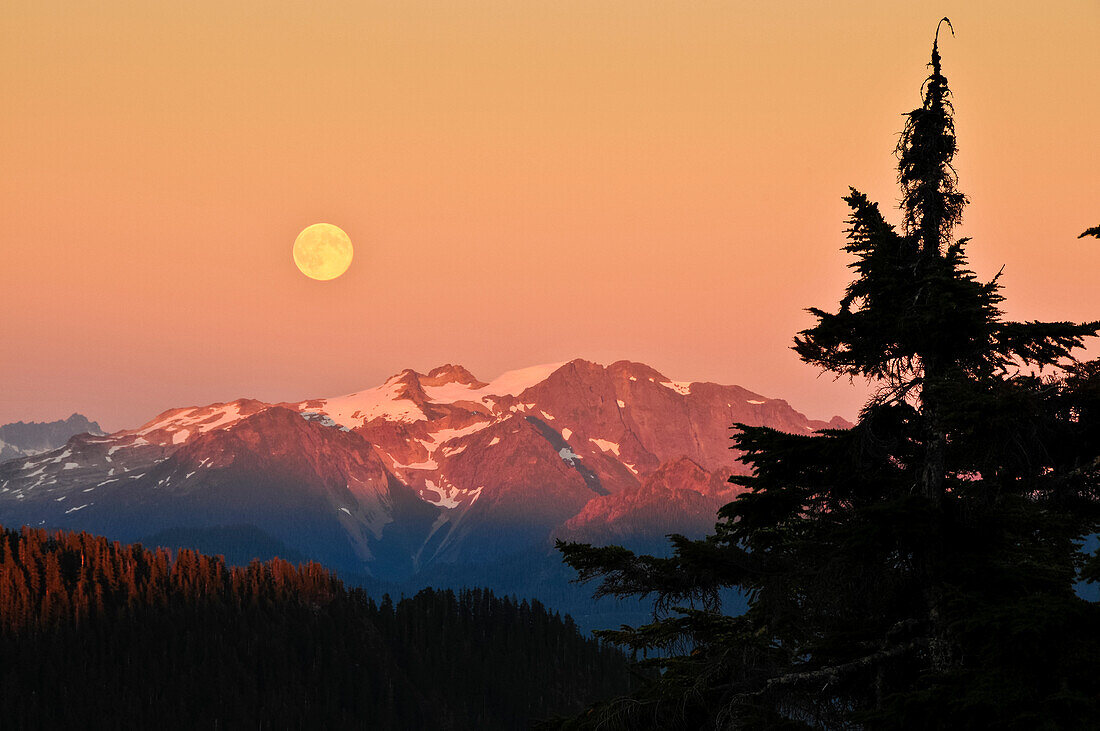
(98, 633)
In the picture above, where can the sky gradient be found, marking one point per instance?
(524, 182)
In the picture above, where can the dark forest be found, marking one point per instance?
(98, 634)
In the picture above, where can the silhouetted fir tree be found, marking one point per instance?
(915, 571)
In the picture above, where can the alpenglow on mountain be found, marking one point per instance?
(422, 475)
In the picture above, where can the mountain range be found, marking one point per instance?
(434, 477)
(22, 439)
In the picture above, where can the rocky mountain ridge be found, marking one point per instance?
(425, 470)
(22, 439)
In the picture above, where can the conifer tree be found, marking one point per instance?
(917, 570)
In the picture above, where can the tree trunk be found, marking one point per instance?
(930, 486)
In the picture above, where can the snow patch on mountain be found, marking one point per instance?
(449, 496)
(387, 401)
(606, 446)
(197, 419)
(510, 383)
(446, 435)
(428, 464)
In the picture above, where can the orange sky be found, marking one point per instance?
(525, 182)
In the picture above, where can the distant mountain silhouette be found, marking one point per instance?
(20, 439)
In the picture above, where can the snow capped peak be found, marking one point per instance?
(623, 447)
(509, 383)
(513, 383)
(449, 373)
(178, 425)
(409, 396)
(408, 375)
(390, 401)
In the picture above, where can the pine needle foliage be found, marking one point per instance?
(915, 571)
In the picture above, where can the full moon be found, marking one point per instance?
(322, 251)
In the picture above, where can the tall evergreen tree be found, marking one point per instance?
(917, 570)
